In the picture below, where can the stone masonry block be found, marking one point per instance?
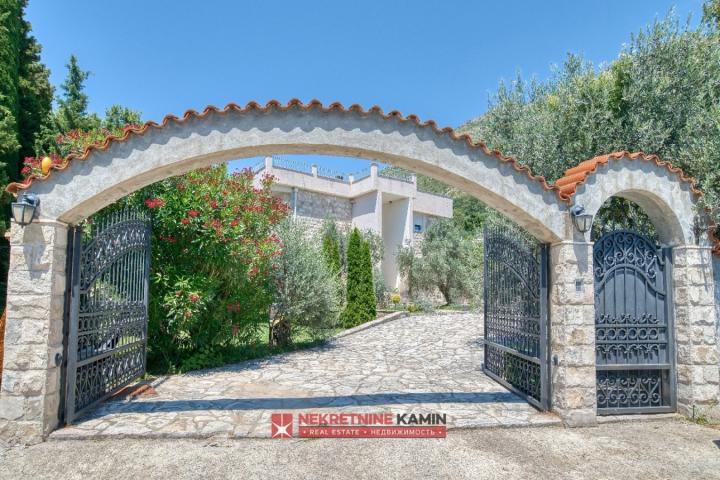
(23, 382)
(37, 282)
(30, 331)
(567, 337)
(39, 234)
(582, 377)
(26, 356)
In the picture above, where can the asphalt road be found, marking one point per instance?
(648, 450)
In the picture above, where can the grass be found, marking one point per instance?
(257, 347)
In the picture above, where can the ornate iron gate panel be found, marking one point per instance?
(107, 337)
(633, 325)
(516, 320)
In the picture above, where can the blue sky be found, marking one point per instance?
(440, 60)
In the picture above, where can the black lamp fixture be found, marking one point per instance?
(581, 220)
(23, 211)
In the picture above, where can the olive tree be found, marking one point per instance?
(450, 261)
(306, 290)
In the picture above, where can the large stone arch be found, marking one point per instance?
(178, 145)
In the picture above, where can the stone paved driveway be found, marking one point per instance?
(421, 364)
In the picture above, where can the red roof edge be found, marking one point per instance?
(275, 105)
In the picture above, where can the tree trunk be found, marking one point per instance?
(280, 333)
(445, 290)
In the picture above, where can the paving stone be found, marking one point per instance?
(421, 364)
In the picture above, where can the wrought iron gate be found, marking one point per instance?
(516, 320)
(108, 308)
(633, 325)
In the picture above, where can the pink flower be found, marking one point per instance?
(193, 213)
(194, 297)
(185, 221)
(153, 203)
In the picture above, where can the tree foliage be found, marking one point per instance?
(331, 253)
(450, 261)
(72, 111)
(306, 286)
(661, 96)
(213, 254)
(25, 103)
(360, 296)
(25, 91)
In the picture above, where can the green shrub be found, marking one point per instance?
(450, 261)
(360, 294)
(306, 291)
(213, 251)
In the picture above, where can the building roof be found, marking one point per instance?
(578, 175)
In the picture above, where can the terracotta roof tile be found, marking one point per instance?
(579, 174)
(394, 115)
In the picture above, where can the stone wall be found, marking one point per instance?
(418, 239)
(716, 278)
(572, 333)
(314, 208)
(30, 392)
(698, 377)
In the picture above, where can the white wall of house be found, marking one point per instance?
(397, 215)
(366, 212)
(389, 206)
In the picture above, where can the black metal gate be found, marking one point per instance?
(633, 325)
(108, 308)
(516, 320)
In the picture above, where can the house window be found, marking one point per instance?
(418, 228)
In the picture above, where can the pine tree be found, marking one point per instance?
(72, 112)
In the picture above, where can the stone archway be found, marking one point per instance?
(178, 145)
(669, 198)
(29, 401)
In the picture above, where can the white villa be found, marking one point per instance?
(386, 202)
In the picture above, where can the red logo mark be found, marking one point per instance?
(281, 426)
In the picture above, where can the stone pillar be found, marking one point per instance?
(30, 392)
(572, 333)
(698, 382)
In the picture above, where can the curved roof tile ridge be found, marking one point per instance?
(578, 175)
(272, 105)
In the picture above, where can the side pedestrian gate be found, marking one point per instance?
(516, 319)
(108, 308)
(633, 325)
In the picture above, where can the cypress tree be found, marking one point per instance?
(25, 90)
(367, 287)
(25, 105)
(331, 252)
(360, 296)
(10, 45)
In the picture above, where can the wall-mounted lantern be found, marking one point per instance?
(581, 220)
(23, 211)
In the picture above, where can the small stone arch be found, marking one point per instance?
(667, 196)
